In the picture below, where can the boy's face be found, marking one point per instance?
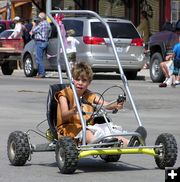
(81, 84)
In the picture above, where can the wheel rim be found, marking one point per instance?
(155, 68)
(28, 66)
(161, 151)
(12, 150)
(61, 157)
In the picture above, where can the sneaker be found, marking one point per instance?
(169, 81)
(163, 85)
(173, 85)
(134, 141)
(166, 80)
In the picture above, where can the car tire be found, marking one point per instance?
(66, 155)
(7, 68)
(167, 155)
(18, 149)
(28, 66)
(110, 158)
(156, 73)
(131, 75)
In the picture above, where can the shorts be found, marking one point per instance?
(176, 71)
(72, 57)
(102, 130)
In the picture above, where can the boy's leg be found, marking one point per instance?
(89, 136)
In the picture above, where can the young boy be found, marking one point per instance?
(71, 46)
(68, 121)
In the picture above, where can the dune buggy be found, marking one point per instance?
(67, 150)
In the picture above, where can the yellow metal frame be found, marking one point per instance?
(148, 151)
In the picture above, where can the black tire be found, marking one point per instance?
(18, 149)
(7, 68)
(156, 73)
(66, 155)
(28, 66)
(168, 154)
(110, 158)
(131, 75)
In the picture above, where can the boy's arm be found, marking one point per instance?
(109, 105)
(65, 111)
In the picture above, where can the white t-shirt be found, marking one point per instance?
(71, 44)
(17, 31)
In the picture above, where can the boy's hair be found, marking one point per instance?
(82, 69)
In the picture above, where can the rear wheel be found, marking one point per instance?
(156, 73)
(110, 158)
(7, 68)
(18, 149)
(66, 155)
(131, 75)
(28, 66)
(167, 155)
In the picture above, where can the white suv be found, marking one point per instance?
(95, 46)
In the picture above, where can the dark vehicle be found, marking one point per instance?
(160, 44)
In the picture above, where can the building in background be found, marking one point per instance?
(158, 11)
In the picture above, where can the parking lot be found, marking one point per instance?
(23, 106)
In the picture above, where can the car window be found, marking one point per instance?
(76, 25)
(118, 30)
(2, 27)
(5, 34)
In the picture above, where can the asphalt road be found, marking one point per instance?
(23, 106)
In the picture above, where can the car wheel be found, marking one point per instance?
(131, 75)
(156, 73)
(66, 155)
(167, 155)
(18, 149)
(28, 66)
(7, 68)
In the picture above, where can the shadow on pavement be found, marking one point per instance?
(113, 77)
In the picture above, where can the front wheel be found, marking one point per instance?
(28, 66)
(167, 155)
(156, 73)
(66, 155)
(18, 149)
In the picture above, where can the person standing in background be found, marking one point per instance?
(143, 29)
(40, 33)
(71, 46)
(18, 29)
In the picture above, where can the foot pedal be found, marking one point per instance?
(134, 141)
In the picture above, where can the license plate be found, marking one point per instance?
(119, 49)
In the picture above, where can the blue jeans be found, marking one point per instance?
(40, 47)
